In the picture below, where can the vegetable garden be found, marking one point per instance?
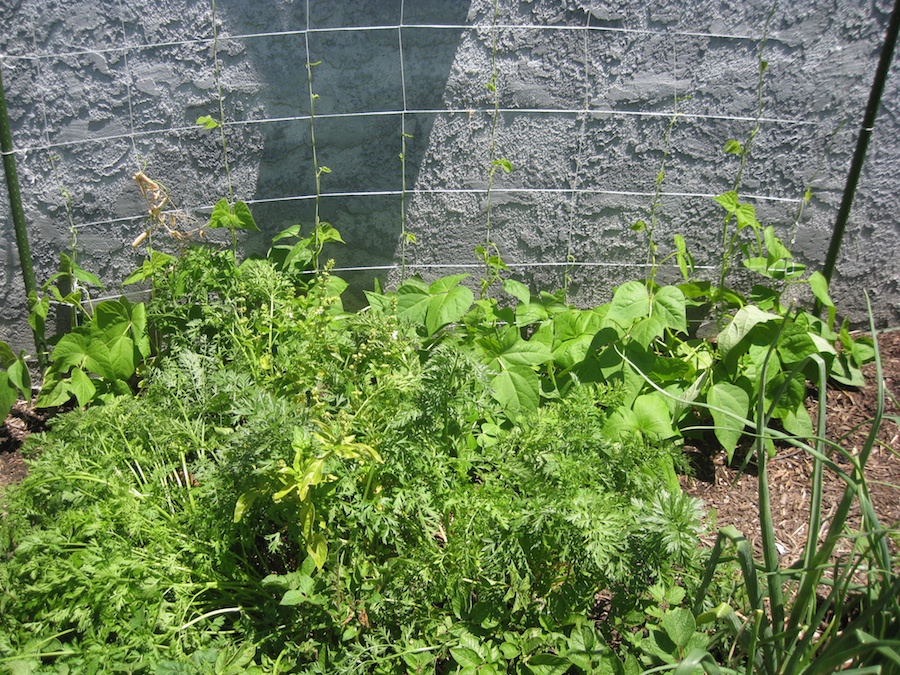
(242, 474)
(255, 480)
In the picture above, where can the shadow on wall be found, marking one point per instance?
(360, 91)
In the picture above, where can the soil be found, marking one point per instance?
(729, 494)
(22, 420)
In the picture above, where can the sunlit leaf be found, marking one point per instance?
(733, 147)
(443, 309)
(517, 388)
(20, 376)
(819, 286)
(743, 322)
(652, 416)
(630, 302)
(518, 290)
(244, 502)
(82, 387)
(122, 357)
(669, 304)
(798, 422)
(244, 218)
(207, 122)
(466, 657)
(317, 548)
(728, 201)
(71, 350)
(679, 624)
(728, 398)
(8, 395)
(548, 664)
(221, 216)
(647, 329)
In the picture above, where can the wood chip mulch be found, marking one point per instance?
(731, 496)
(22, 420)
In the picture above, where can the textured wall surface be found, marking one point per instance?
(586, 92)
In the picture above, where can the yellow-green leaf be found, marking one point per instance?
(317, 548)
(244, 502)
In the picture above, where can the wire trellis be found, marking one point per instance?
(573, 189)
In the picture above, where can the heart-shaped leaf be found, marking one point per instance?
(727, 401)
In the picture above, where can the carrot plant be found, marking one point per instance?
(299, 488)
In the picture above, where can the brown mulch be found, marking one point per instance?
(730, 496)
(23, 419)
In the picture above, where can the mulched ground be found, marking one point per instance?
(729, 495)
(22, 420)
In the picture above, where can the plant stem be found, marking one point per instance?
(405, 237)
(215, 55)
(730, 236)
(652, 248)
(489, 246)
(317, 170)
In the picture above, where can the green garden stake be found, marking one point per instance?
(862, 144)
(18, 216)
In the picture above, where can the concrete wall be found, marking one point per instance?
(99, 90)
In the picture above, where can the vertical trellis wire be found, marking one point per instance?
(405, 237)
(579, 159)
(129, 78)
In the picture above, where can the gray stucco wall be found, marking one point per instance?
(100, 90)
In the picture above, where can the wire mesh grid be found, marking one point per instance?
(570, 189)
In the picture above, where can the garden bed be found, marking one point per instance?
(439, 481)
(728, 494)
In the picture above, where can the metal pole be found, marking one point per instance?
(18, 216)
(862, 143)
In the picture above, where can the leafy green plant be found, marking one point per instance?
(725, 371)
(96, 568)
(350, 482)
(232, 217)
(743, 351)
(98, 358)
(661, 629)
(69, 288)
(15, 379)
(841, 610)
(301, 256)
(313, 454)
